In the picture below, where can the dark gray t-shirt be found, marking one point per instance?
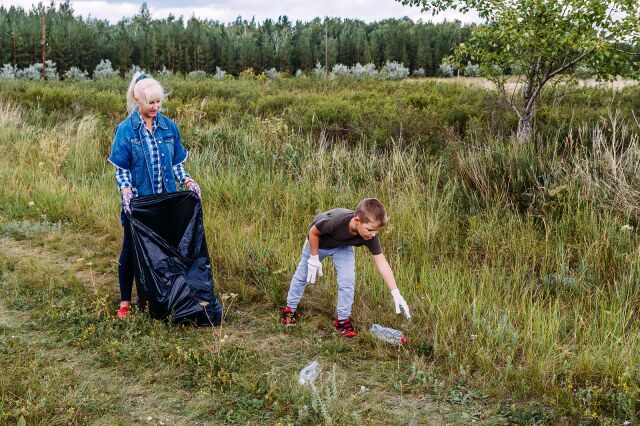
(334, 229)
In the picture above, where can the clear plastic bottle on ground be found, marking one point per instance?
(310, 373)
(389, 335)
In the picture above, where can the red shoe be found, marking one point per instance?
(123, 312)
(345, 327)
(288, 317)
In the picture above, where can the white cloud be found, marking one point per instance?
(113, 12)
(229, 10)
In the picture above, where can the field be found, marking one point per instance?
(520, 262)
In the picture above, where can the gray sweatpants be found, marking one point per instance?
(344, 260)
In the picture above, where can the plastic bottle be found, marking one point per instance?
(389, 335)
(310, 373)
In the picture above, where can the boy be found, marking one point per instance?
(334, 233)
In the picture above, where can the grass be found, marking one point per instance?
(519, 264)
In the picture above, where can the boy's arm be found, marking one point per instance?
(387, 275)
(314, 266)
(314, 240)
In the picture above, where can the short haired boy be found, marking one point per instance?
(333, 234)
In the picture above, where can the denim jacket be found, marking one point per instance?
(130, 152)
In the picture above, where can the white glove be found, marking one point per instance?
(399, 301)
(314, 267)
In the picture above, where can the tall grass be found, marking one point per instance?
(519, 261)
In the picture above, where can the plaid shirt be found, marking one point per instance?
(123, 176)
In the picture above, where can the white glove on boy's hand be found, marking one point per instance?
(314, 267)
(399, 301)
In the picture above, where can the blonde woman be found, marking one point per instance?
(148, 155)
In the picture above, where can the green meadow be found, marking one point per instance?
(519, 261)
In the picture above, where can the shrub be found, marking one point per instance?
(299, 73)
(8, 72)
(445, 70)
(583, 71)
(104, 70)
(34, 72)
(340, 70)
(472, 70)
(164, 72)
(220, 74)
(319, 71)
(272, 73)
(394, 71)
(197, 75)
(74, 73)
(247, 74)
(420, 72)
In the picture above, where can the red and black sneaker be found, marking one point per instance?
(288, 317)
(345, 327)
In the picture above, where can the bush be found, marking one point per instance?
(74, 73)
(247, 74)
(220, 74)
(134, 69)
(472, 70)
(164, 73)
(583, 71)
(104, 70)
(299, 73)
(34, 72)
(197, 75)
(340, 70)
(8, 72)
(420, 72)
(319, 71)
(394, 71)
(272, 74)
(445, 70)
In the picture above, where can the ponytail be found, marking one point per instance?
(131, 96)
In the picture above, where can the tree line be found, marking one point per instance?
(183, 45)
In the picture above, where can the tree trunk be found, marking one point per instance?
(524, 126)
(15, 51)
(530, 95)
(43, 23)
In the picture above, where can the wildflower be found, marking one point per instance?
(363, 388)
(626, 228)
(31, 203)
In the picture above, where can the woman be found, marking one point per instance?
(148, 155)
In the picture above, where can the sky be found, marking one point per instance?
(229, 10)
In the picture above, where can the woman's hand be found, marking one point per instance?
(127, 195)
(193, 186)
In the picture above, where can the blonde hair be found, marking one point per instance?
(146, 88)
(371, 210)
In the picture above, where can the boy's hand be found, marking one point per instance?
(399, 301)
(314, 267)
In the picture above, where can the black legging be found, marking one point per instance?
(125, 263)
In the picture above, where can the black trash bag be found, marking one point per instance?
(173, 270)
